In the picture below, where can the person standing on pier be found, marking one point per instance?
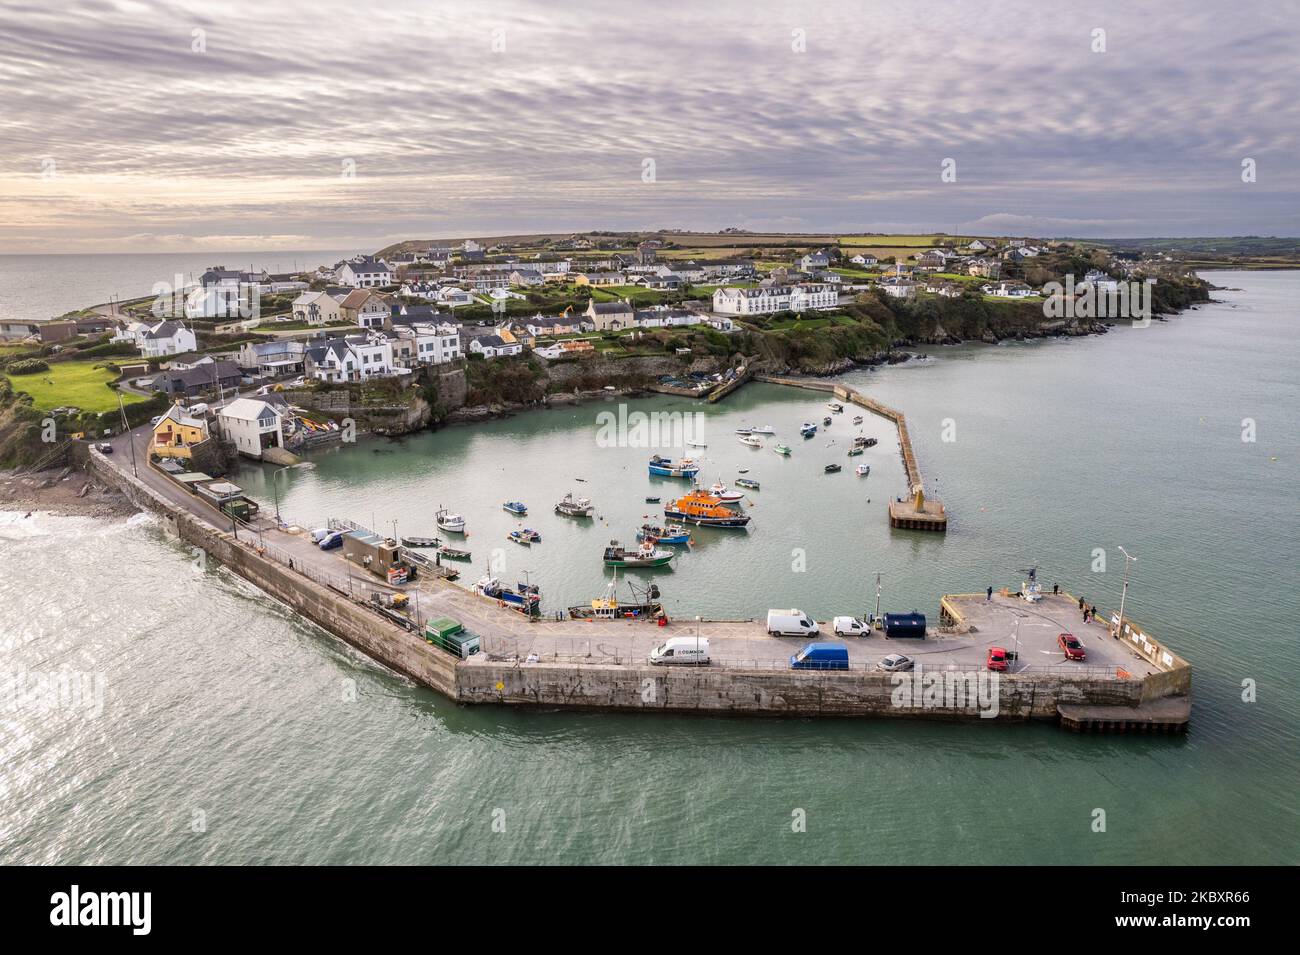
(989, 596)
(1056, 588)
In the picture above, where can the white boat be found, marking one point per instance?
(448, 521)
(835, 406)
(720, 491)
(857, 419)
(696, 444)
(575, 506)
(764, 429)
(751, 441)
(863, 470)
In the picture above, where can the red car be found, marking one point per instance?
(997, 659)
(1070, 646)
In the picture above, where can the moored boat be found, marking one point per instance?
(782, 449)
(855, 451)
(421, 542)
(827, 421)
(652, 500)
(453, 553)
(764, 429)
(835, 406)
(705, 510)
(751, 441)
(448, 521)
(607, 607)
(869, 443)
(572, 506)
(667, 467)
(832, 469)
(808, 429)
(645, 555)
(673, 534)
(863, 470)
(744, 431)
(527, 536)
(747, 482)
(720, 491)
(516, 507)
(857, 419)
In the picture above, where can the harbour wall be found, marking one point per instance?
(354, 623)
(773, 692)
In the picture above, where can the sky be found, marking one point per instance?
(228, 124)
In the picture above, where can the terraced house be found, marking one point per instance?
(355, 358)
(768, 300)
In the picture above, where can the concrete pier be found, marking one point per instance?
(605, 664)
(913, 512)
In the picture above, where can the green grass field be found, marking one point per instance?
(77, 384)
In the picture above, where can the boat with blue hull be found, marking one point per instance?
(667, 467)
(526, 598)
(516, 507)
(673, 534)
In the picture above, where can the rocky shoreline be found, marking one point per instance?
(67, 492)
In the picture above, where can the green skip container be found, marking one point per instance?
(447, 634)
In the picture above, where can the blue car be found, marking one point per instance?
(331, 541)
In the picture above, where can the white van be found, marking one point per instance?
(197, 408)
(320, 533)
(694, 650)
(850, 627)
(790, 623)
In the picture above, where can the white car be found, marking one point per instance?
(895, 663)
(850, 627)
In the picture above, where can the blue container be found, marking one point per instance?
(905, 625)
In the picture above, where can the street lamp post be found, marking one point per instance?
(275, 493)
(1128, 559)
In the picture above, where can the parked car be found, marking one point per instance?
(104, 447)
(790, 623)
(850, 627)
(894, 663)
(1071, 646)
(997, 659)
(821, 656)
(154, 420)
(332, 541)
(676, 650)
(319, 534)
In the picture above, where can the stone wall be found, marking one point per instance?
(776, 692)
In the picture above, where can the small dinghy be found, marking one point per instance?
(421, 542)
(832, 469)
(747, 482)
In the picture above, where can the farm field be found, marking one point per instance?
(76, 384)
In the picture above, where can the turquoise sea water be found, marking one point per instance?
(217, 701)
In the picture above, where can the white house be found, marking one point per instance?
(492, 346)
(898, 287)
(364, 272)
(165, 338)
(434, 344)
(769, 299)
(223, 293)
(1008, 290)
(316, 308)
(355, 358)
(251, 425)
(864, 259)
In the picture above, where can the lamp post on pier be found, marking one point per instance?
(1128, 559)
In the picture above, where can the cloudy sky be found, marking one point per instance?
(138, 126)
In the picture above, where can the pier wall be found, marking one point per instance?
(355, 623)
(759, 692)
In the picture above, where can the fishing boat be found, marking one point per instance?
(667, 467)
(863, 470)
(808, 429)
(855, 450)
(673, 534)
(859, 441)
(764, 429)
(857, 419)
(869, 443)
(751, 441)
(575, 506)
(421, 542)
(720, 491)
(832, 469)
(516, 507)
(782, 449)
(705, 510)
(835, 406)
(526, 598)
(747, 482)
(527, 537)
(448, 521)
(644, 555)
(608, 607)
(453, 553)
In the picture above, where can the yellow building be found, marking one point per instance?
(176, 433)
